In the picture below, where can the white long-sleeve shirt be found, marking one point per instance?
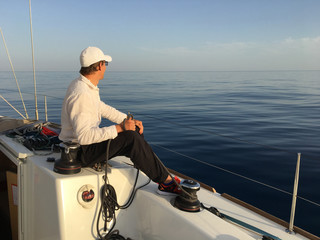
(81, 114)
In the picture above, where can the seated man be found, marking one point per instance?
(81, 115)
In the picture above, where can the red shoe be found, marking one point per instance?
(170, 188)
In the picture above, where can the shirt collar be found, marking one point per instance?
(88, 82)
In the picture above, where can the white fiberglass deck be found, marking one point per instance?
(50, 207)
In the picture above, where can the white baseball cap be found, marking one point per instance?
(91, 55)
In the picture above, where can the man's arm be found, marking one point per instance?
(111, 113)
(116, 116)
(84, 117)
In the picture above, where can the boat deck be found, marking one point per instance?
(50, 206)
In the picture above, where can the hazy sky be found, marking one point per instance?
(164, 35)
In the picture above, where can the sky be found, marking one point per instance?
(166, 35)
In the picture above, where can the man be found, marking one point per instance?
(81, 115)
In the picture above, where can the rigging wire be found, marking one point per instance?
(12, 106)
(14, 74)
(12, 90)
(33, 65)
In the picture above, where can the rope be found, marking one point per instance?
(239, 223)
(109, 204)
(35, 137)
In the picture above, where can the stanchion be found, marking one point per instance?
(294, 196)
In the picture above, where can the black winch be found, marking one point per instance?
(69, 161)
(188, 200)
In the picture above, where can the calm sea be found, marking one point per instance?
(249, 123)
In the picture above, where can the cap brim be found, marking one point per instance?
(107, 58)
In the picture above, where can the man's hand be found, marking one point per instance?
(139, 125)
(130, 125)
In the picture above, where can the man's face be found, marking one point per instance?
(103, 69)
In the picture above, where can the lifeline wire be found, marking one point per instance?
(225, 136)
(236, 174)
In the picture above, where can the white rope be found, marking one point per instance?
(14, 74)
(34, 71)
(12, 106)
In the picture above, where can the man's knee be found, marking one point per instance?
(130, 136)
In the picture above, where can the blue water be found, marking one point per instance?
(226, 119)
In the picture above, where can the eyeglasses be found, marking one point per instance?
(106, 63)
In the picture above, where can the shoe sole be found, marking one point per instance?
(163, 193)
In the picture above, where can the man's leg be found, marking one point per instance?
(130, 144)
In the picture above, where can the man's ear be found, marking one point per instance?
(100, 66)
